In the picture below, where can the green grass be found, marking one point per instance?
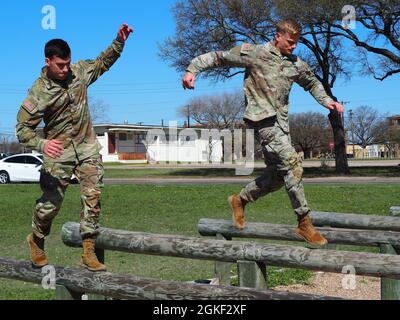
(224, 172)
(169, 210)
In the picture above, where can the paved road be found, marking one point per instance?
(306, 164)
(243, 181)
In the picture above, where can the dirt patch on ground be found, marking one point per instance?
(337, 285)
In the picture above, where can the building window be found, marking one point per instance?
(140, 138)
(122, 136)
(187, 140)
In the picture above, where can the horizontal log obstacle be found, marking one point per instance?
(369, 264)
(212, 227)
(355, 221)
(390, 289)
(80, 281)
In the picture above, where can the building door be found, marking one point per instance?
(111, 143)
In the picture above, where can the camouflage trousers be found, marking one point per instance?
(54, 180)
(284, 166)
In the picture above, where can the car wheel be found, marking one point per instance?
(4, 177)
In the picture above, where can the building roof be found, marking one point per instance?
(136, 127)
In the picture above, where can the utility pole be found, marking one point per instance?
(352, 130)
(343, 124)
(188, 116)
(343, 103)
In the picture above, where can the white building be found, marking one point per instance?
(150, 144)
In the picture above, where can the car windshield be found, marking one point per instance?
(40, 157)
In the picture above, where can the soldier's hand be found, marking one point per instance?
(124, 32)
(336, 106)
(54, 148)
(188, 81)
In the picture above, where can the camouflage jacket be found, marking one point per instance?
(268, 79)
(64, 109)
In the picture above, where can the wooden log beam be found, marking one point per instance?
(370, 264)
(137, 288)
(211, 227)
(355, 221)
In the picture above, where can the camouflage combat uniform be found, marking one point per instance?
(268, 80)
(63, 106)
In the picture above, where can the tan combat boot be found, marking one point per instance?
(237, 205)
(38, 255)
(307, 231)
(89, 258)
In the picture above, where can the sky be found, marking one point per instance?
(140, 87)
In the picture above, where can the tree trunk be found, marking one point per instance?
(342, 165)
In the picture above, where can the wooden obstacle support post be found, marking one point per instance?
(63, 293)
(390, 288)
(223, 269)
(252, 274)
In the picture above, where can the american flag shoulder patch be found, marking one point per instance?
(246, 47)
(29, 106)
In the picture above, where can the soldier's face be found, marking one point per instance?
(286, 43)
(58, 68)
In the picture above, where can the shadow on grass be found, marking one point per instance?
(308, 172)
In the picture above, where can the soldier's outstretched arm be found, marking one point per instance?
(236, 57)
(309, 82)
(93, 69)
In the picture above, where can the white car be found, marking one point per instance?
(22, 168)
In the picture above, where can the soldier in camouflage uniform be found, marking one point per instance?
(59, 97)
(271, 70)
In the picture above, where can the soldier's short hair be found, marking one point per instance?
(57, 47)
(289, 26)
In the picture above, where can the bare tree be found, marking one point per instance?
(98, 111)
(15, 147)
(8, 144)
(388, 135)
(381, 20)
(4, 143)
(210, 25)
(367, 126)
(215, 112)
(309, 131)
